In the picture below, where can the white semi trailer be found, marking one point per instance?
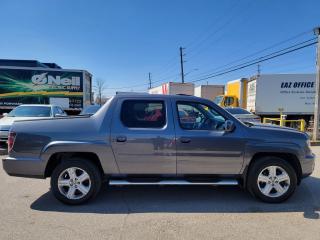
(289, 94)
(173, 88)
(209, 91)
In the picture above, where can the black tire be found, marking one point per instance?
(258, 166)
(89, 168)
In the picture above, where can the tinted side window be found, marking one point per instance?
(143, 114)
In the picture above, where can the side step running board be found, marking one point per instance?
(174, 182)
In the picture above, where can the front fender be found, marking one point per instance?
(278, 147)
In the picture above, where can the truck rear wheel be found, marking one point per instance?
(75, 181)
(272, 179)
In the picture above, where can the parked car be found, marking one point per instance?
(90, 110)
(243, 115)
(137, 139)
(27, 112)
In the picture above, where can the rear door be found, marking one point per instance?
(143, 137)
(203, 147)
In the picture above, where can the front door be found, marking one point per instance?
(203, 147)
(143, 137)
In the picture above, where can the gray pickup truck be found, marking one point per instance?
(137, 139)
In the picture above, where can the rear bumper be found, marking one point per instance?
(33, 168)
(307, 165)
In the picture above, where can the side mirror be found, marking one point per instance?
(59, 115)
(229, 126)
(5, 114)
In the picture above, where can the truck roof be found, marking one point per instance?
(35, 65)
(27, 63)
(148, 95)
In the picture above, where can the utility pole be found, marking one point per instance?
(181, 63)
(259, 71)
(150, 80)
(317, 98)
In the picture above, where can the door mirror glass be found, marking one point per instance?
(58, 112)
(229, 126)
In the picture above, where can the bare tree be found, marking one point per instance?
(99, 87)
(103, 100)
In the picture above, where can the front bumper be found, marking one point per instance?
(308, 164)
(33, 168)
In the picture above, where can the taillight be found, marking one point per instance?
(11, 139)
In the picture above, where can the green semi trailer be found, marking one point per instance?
(32, 82)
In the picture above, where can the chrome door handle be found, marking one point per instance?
(121, 139)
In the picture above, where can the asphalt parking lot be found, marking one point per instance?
(29, 211)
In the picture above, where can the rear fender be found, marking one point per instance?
(101, 149)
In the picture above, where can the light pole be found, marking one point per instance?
(181, 64)
(315, 135)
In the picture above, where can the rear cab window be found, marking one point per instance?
(143, 113)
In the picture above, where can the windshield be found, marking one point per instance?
(90, 110)
(217, 100)
(237, 111)
(30, 111)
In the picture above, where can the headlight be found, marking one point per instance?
(308, 147)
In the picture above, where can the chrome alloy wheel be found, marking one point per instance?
(74, 183)
(273, 181)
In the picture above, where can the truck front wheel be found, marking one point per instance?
(272, 179)
(75, 181)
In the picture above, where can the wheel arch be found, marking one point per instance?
(291, 158)
(56, 158)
